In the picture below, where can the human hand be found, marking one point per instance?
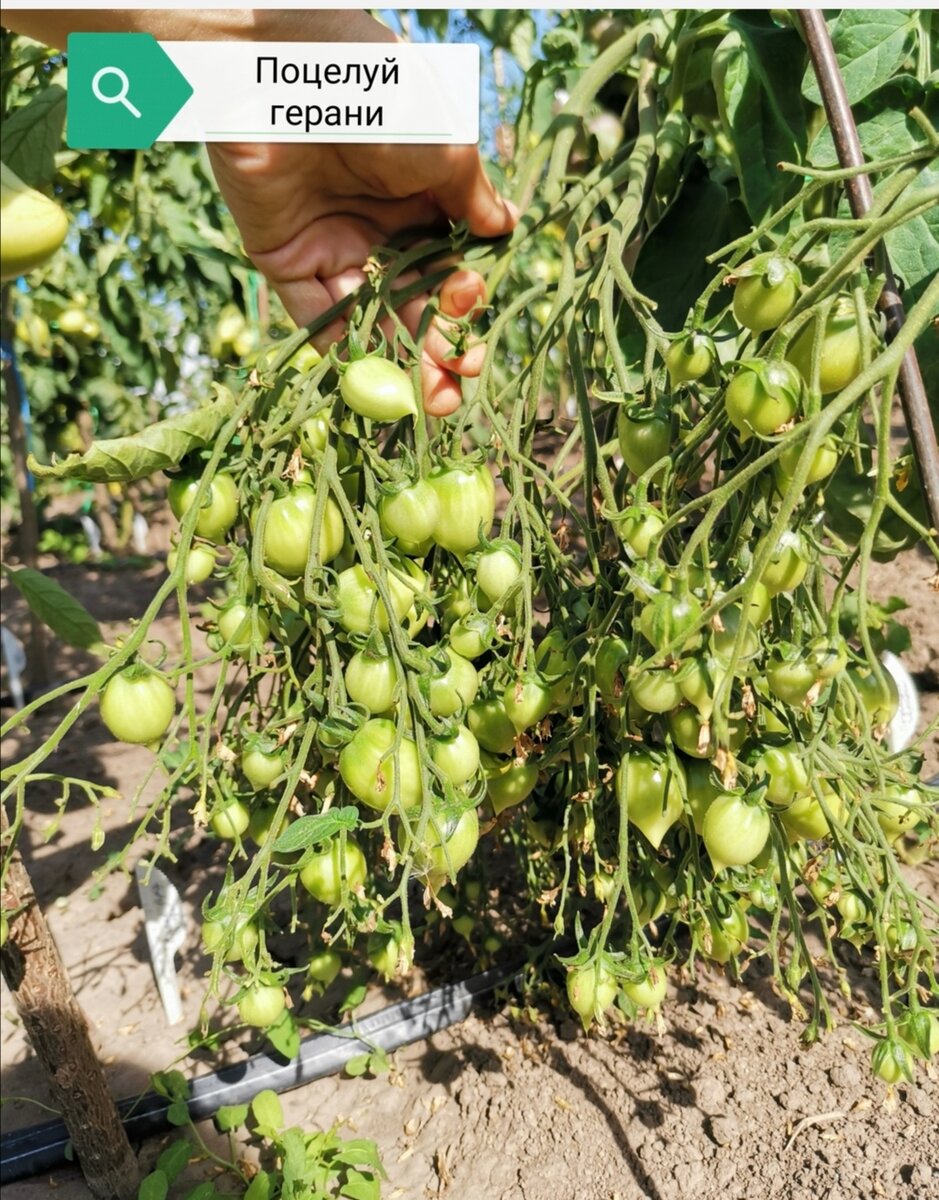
(311, 214)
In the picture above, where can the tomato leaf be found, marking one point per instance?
(267, 1109)
(231, 1116)
(869, 44)
(178, 1113)
(361, 1187)
(261, 1187)
(357, 1065)
(58, 609)
(354, 998)
(318, 827)
(153, 1186)
(754, 72)
(159, 447)
(174, 1158)
(32, 134)
(203, 1191)
(284, 1036)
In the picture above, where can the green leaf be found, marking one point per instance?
(261, 1187)
(671, 268)
(153, 1186)
(357, 1065)
(284, 1035)
(318, 827)
(54, 606)
(267, 1110)
(354, 997)
(159, 447)
(754, 72)
(870, 44)
(361, 1152)
(203, 1191)
(295, 1164)
(884, 127)
(361, 1187)
(231, 1116)
(178, 1113)
(174, 1159)
(32, 134)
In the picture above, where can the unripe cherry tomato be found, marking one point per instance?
(323, 875)
(289, 531)
(508, 781)
(373, 778)
(472, 635)
(722, 937)
(822, 464)
(360, 609)
(242, 931)
(200, 563)
(236, 626)
(450, 841)
(690, 358)
(324, 966)
(137, 705)
(411, 513)
(371, 680)
(638, 527)
(669, 619)
(489, 722)
(762, 397)
(497, 568)
(734, 832)
(454, 688)
(219, 510)
(655, 689)
(527, 701)
(591, 989)
(261, 766)
(378, 389)
(231, 821)
(644, 438)
(785, 774)
(840, 353)
(788, 566)
(653, 794)
(457, 756)
(262, 1005)
(467, 497)
(766, 291)
(648, 993)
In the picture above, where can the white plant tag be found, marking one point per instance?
(165, 924)
(904, 725)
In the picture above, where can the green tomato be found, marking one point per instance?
(610, 671)
(805, 817)
(655, 689)
(784, 772)
(685, 727)
(236, 625)
(648, 993)
(450, 841)
(290, 527)
(382, 951)
(497, 568)
(670, 620)
(472, 635)
(880, 700)
(821, 465)
(240, 931)
(378, 389)
(920, 1031)
(722, 937)
(766, 291)
(653, 794)
(591, 989)
(219, 509)
(410, 514)
(360, 609)
(454, 688)
(788, 566)
(723, 640)
(323, 967)
(137, 705)
(262, 1005)
(457, 756)
(840, 353)
(467, 499)
(261, 766)
(231, 821)
(790, 680)
(638, 528)
(734, 832)
(690, 358)
(489, 722)
(898, 810)
(373, 778)
(508, 781)
(371, 680)
(527, 701)
(644, 438)
(261, 828)
(332, 864)
(762, 397)
(701, 789)
(200, 563)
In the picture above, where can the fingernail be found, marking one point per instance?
(513, 209)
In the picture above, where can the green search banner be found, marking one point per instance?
(123, 91)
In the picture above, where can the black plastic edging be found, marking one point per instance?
(39, 1148)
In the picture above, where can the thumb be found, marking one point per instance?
(467, 194)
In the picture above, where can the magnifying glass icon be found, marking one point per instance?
(123, 88)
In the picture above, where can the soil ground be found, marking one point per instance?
(721, 1101)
